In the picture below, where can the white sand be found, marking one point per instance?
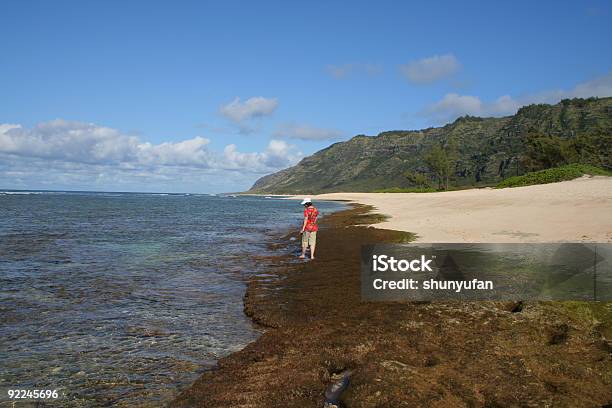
(577, 210)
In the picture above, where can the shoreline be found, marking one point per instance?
(443, 354)
(568, 211)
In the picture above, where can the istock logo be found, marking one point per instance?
(383, 263)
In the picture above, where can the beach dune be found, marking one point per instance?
(577, 210)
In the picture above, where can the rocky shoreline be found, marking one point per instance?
(476, 354)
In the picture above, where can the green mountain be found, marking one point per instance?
(480, 151)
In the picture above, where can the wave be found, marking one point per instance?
(23, 192)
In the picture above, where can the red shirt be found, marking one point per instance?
(311, 214)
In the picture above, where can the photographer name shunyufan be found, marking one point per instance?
(432, 284)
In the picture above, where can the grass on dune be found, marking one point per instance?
(554, 175)
(406, 190)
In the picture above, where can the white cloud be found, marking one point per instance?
(453, 105)
(599, 86)
(185, 153)
(340, 71)
(431, 69)
(70, 141)
(278, 154)
(344, 71)
(85, 155)
(255, 107)
(89, 143)
(7, 126)
(306, 132)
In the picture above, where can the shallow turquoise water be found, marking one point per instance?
(122, 298)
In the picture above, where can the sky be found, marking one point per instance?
(206, 97)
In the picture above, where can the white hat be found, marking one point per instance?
(306, 200)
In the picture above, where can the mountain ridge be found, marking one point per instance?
(486, 151)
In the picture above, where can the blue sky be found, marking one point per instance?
(209, 96)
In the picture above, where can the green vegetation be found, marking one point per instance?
(418, 179)
(442, 161)
(596, 315)
(546, 151)
(553, 175)
(406, 190)
(470, 152)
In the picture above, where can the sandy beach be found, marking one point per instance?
(577, 210)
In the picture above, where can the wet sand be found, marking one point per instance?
(575, 211)
(403, 354)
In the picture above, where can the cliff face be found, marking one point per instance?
(486, 150)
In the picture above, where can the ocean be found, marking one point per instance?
(123, 298)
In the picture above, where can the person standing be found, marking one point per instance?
(309, 228)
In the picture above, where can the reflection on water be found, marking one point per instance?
(121, 298)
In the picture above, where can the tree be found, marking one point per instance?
(441, 161)
(546, 151)
(418, 179)
(594, 148)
